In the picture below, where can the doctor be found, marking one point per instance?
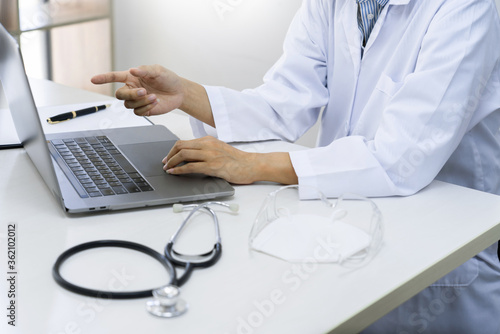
(411, 93)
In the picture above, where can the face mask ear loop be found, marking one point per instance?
(325, 200)
(337, 215)
(284, 212)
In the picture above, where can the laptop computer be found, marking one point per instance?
(98, 170)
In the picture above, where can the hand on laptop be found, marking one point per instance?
(213, 157)
(154, 90)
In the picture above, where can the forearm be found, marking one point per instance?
(196, 102)
(275, 167)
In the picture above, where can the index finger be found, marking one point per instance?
(193, 144)
(110, 77)
(173, 151)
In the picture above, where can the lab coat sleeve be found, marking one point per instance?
(425, 120)
(294, 89)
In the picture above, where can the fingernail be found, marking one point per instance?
(152, 98)
(141, 92)
(170, 171)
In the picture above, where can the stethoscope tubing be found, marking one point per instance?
(190, 266)
(110, 294)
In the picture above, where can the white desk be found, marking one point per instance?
(245, 292)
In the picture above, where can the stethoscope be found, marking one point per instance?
(165, 302)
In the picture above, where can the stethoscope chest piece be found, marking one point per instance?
(166, 302)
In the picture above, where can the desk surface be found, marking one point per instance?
(245, 292)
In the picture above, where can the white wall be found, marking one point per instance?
(229, 43)
(216, 42)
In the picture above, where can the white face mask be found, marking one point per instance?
(305, 236)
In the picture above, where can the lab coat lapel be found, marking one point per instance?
(380, 21)
(398, 2)
(349, 23)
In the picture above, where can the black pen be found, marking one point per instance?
(72, 114)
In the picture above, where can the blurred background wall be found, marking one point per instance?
(216, 42)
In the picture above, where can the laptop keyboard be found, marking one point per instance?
(99, 167)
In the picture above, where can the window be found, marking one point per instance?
(66, 41)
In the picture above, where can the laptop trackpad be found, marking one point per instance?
(147, 157)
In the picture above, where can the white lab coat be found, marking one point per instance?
(422, 103)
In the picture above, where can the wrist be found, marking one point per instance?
(274, 167)
(195, 101)
(185, 93)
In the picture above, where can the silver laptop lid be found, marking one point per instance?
(23, 109)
